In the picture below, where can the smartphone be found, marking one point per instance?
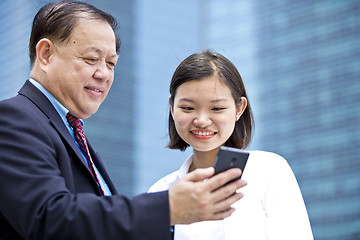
(229, 157)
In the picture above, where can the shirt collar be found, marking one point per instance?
(62, 111)
(185, 167)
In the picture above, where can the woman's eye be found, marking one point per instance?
(216, 109)
(187, 108)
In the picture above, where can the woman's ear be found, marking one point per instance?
(44, 51)
(240, 108)
(171, 107)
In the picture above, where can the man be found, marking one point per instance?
(53, 184)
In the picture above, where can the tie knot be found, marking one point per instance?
(74, 121)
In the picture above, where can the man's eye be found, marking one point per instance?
(91, 60)
(111, 65)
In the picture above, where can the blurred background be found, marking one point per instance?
(300, 62)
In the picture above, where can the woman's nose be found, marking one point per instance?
(202, 121)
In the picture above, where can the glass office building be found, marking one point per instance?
(300, 62)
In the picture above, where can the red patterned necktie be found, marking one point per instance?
(80, 138)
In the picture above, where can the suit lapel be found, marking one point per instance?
(41, 101)
(101, 168)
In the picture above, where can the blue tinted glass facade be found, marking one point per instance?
(15, 31)
(303, 80)
(166, 33)
(308, 53)
(300, 64)
(111, 129)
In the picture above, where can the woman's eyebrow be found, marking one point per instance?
(219, 100)
(213, 101)
(186, 100)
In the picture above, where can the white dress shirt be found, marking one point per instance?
(272, 207)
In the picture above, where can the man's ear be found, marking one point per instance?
(240, 108)
(44, 51)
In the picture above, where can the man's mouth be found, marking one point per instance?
(94, 89)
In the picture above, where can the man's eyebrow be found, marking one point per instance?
(99, 51)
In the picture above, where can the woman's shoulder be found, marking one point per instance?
(265, 158)
(165, 183)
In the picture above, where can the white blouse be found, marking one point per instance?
(272, 207)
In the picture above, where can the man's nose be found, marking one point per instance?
(103, 72)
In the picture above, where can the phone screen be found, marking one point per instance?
(229, 157)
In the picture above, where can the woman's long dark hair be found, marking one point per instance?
(206, 64)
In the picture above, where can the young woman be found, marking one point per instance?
(209, 108)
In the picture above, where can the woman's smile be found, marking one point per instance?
(204, 121)
(203, 134)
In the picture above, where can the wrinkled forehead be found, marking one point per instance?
(92, 31)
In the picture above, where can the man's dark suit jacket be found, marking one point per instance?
(46, 190)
